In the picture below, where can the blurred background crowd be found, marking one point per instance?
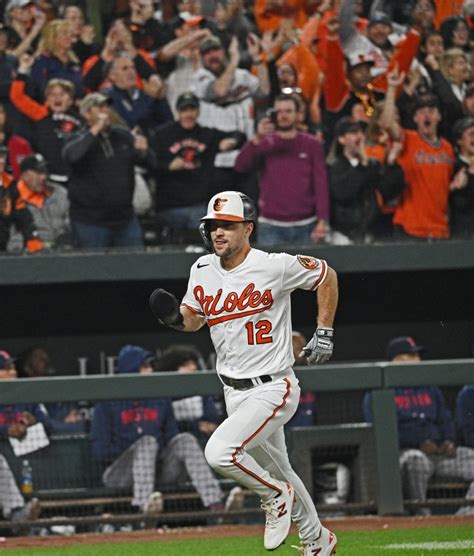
(347, 121)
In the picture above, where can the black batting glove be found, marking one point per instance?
(165, 307)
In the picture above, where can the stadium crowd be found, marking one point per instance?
(347, 120)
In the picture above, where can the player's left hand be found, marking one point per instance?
(319, 348)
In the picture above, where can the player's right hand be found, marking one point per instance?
(319, 349)
(165, 307)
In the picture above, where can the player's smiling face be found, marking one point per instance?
(229, 238)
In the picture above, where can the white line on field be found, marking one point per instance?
(433, 546)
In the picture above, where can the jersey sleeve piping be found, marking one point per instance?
(322, 276)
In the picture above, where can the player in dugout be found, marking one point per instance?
(243, 294)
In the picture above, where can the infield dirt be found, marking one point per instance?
(366, 523)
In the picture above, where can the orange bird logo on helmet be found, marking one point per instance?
(219, 204)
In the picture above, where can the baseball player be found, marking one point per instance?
(243, 294)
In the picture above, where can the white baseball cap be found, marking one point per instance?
(230, 205)
(18, 4)
(360, 57)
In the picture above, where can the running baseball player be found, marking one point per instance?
(243, 294)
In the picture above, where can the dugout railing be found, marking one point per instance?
(376, 475)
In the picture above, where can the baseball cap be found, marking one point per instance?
(461, 126)
(402, 344)
(209, 43)
(424, 101)
(347, 125)
(191, 19)
(34, 162)
(359, 57)
(131, 358)
(18, 4)
(231, 205)
(187, 100)
(380, 18)
(93, 99)
(5, 359)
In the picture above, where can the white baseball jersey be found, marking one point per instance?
(248, 308)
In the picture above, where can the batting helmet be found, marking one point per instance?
(227, 205)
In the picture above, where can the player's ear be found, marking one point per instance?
(250, 226)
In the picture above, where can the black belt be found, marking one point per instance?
(245, 383)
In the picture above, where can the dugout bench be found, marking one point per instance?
(306, 443)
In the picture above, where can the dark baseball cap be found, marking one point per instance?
(187, 100)
(35, 162)
(5, 359)
(380, 18)
(402, 344)
(347, 125)
(210, 43)
(426, 100)
(461, 126)
(131, 358)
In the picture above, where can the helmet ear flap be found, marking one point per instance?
(206, 236)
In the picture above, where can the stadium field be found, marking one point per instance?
(442, 541)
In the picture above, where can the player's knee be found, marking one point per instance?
(186, 439)
(217, 453)
(147, 444)
(148, 440)
(186, 444)
(416, 460)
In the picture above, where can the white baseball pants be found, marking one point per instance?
(249, 446)
(10, 496)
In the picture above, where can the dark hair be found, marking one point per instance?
(432, 2)
(287, 97)
(175, 356)
(447, 29)
(427, 35)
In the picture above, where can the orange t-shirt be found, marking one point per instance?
(423, 207)
(447, 8)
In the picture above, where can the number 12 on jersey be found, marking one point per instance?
(259, 333)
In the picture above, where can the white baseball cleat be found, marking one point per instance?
(155, 504)
(325, 545)
(278, 518)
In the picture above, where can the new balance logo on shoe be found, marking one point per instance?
(282, 510)
(278, 517)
